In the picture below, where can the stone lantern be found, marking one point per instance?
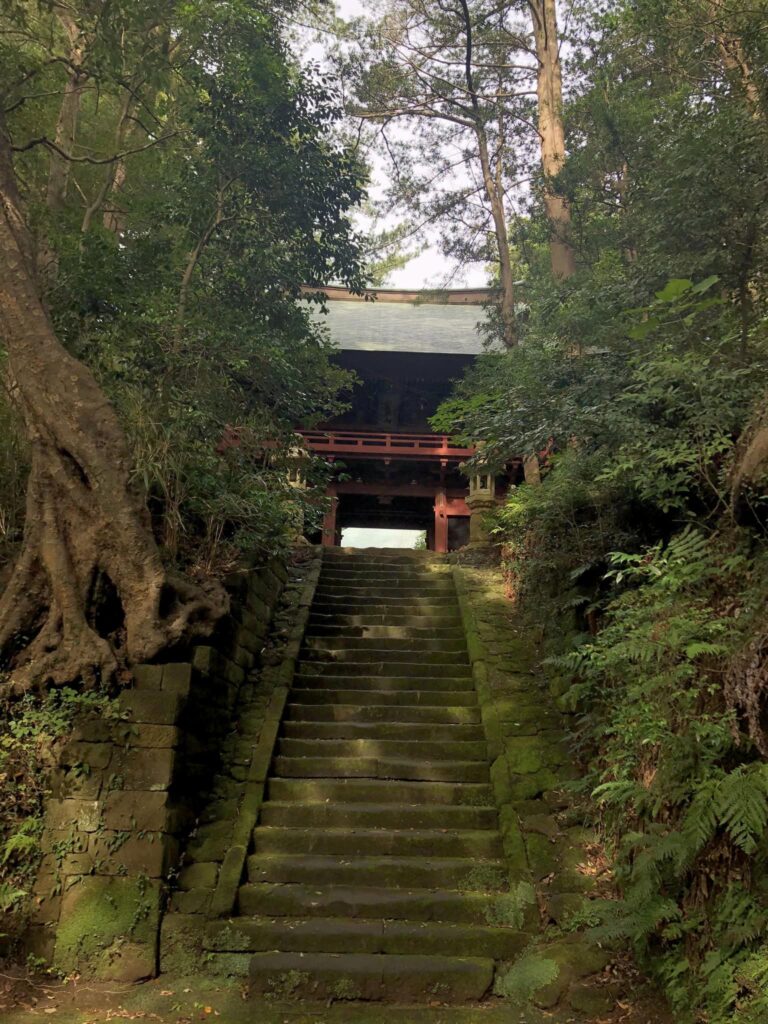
(481, 501)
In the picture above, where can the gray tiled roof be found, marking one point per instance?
(403, 327)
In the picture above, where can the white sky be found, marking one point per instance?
(429, 269)
(366, 537)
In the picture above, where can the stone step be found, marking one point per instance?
(375, 791)
(379, 768)
(375, 582)
(395, 652)
(387, 582)
(448, 619)
(400, 731)
(395, 576)
(403, 698)
(392, 611)
(390, 569)
(391, 668)
(403, 597)
(378, 644)
(309, 682)
(385, 556)
(400, 872)
(377, 816)
(390, 842)
(357, 935)
(361, 713)
(382, 632)
(284, 900)
(371, 977)
(428, 749)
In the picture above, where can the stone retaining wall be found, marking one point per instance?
(128, 790)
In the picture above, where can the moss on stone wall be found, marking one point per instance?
(548, 854)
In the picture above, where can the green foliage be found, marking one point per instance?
(176, 273)
(32, 731)
(636, 379)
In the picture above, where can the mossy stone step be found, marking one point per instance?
(296, 711)
(382, 556)
(378, 768)
(315, 632)
(410, 566)
(387, 584)
(393, 669)
(376, 791)
(335, 598)
(402, 698)
(400, 731)
(399, 653)
(392, 578)
(428, 749)
(342, 642)
(370, 977)
(382, 816)
(391, 612)
(357, 935)
(449, 618)
(394, 684)
(445, 905)
(361, 842)
(408, 872)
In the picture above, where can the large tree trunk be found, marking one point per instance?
(86, 529)
(549, 85)
(493, 192)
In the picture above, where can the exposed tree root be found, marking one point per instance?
(86, 528)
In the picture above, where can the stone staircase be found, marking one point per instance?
(377, 851)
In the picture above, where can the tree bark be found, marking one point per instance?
(495, 197)
(549, 85)
(735, 62)
(86, 528)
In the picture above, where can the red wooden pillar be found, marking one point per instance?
(329, 521)
(441, 521)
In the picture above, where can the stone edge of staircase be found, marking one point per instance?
(225, 894)
(526, 733)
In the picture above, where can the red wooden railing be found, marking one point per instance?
(364, 444)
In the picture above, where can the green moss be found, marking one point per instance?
(101, 918)
(287, 984)
(527, 755)
(509, 909)
(345, 990)
(181, 944)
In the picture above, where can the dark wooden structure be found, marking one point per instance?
(406, 348)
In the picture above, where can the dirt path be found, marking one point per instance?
(186, 1000)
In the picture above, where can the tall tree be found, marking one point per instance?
(549, 84)
(459, 74)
